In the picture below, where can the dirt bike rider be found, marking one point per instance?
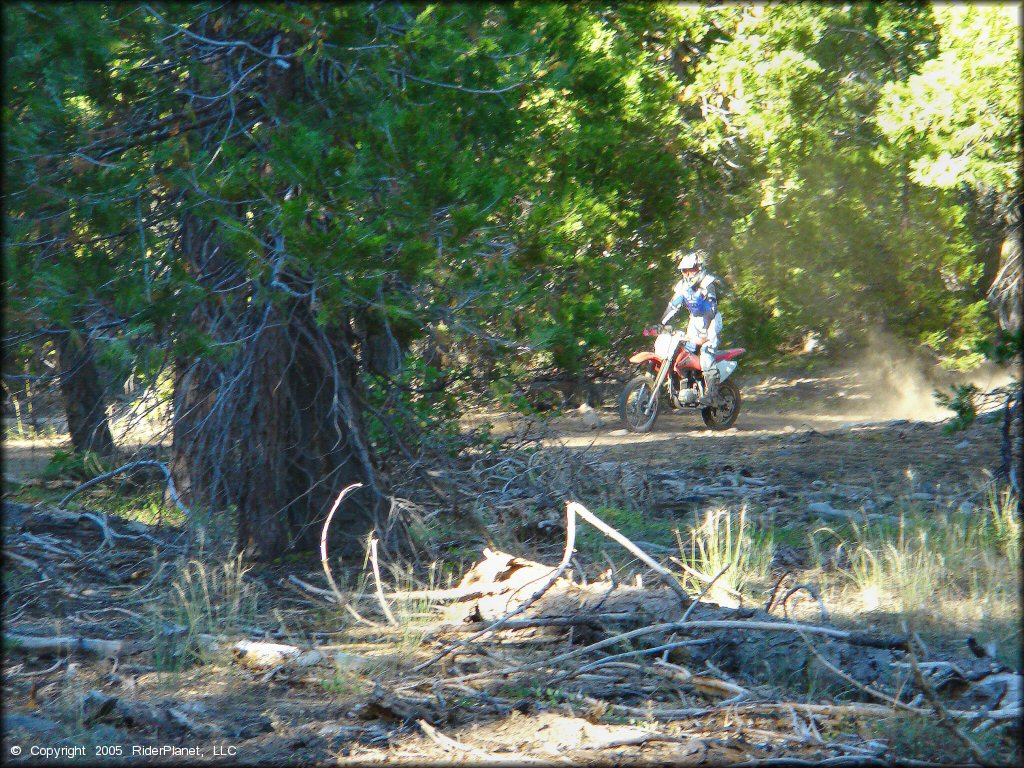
(697, 291)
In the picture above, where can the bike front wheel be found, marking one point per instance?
(633, 405)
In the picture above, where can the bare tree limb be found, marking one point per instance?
(945, 720)
(607, 530)
(376, 578)
(144, 463)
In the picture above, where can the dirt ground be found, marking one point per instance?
(801, 435)
(833, 427)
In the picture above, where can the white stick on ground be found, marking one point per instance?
(323, 542)
(95, 647)
(376, 578)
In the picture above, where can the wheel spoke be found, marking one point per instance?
(639, 406)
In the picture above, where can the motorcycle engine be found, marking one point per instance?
(687, 397)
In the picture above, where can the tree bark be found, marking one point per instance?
(267, 423)
(82, 392)
(1005, 293)
(273, 432)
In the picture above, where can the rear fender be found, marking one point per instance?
(725, 362)
(725, 368)
(729, 354)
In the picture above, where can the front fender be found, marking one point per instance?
(643, 357)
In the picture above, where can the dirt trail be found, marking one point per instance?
(833, 426)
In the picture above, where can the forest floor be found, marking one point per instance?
(867, 512)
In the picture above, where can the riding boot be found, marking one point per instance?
(710, 398)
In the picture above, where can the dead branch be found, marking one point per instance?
(98, 706)
(330, 597)
(591, 620)
(812, 591)
(26, 561)
(858, 685)
(626, 654)
(606, 529)
(635, 739)
(132, 465)
(945, 720)
(324, 593)
(260, 655)
(775, 590)
(570, 542)
(853, 638)
(60, 662)
(376, 579)
(785, 708)
(439, 595)
(108, 539)
(702, 683)
(447, 743)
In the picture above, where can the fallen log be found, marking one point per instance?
(553, 577)
(509, 589)
(168, 717)
(513, 593)
(66, 645)
(509, 586)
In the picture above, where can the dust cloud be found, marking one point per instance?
(890, 380)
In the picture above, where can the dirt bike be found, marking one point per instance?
(680, 382)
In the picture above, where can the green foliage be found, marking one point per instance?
(415, 408)
(832, 230)
(1003, 349)
(961, 400)
(75, 466)
(521, 173)
(961, 112)
(759, 327)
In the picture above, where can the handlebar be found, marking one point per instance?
(655, 330)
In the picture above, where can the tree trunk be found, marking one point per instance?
(267, 424)
(1005, 293)
(308, 445)
(275, 430)
(83, 395)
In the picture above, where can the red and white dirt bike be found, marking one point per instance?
(680, 382)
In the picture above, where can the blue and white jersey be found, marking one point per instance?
(699, 298)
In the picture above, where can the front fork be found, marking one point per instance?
(666, 365)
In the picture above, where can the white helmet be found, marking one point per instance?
(692, 260)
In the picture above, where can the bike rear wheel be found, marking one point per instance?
(728, 410)
(632, 402)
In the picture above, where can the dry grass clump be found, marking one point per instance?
(955, 569)
(725, 543)
(207, 598)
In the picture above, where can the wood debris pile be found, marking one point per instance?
(603, 649)
(565, 668)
